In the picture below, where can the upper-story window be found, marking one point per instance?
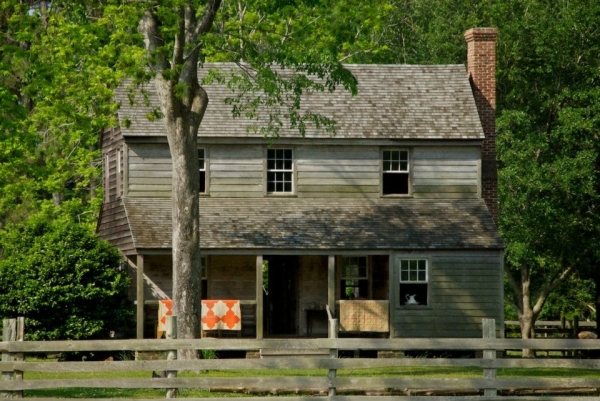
(280, 171)
(202, 163)
(395, 175)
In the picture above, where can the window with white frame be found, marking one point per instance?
(280, 171)
(202, 163)
(395, 172)
(414, 282)
(355, 277)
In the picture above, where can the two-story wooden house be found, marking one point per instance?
(390, 222)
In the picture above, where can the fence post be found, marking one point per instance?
(489, 332)
(12, 330)
(171, 334)
(333, 353)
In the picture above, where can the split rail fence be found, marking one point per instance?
(16, 368)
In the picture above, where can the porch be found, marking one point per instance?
(281, 296)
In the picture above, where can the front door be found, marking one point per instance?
(282, 300)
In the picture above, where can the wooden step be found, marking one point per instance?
(295, 353)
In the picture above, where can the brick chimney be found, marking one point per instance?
(481, 67)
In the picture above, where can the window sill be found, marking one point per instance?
(414, 307)
(396, 196)
(282, 195)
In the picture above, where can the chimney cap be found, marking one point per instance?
(481, 35)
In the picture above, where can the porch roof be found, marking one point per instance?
(321, 224)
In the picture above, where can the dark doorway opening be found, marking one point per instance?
(281, 300)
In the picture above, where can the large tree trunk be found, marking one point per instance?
(182, 119)
(183, 112)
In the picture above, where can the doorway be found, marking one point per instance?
(281, 298)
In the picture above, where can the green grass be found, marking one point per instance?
(417, 372)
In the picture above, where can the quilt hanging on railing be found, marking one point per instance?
(221, 315)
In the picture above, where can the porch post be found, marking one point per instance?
(392, 293)
(140, 297)
(331, 283)
(259, 297)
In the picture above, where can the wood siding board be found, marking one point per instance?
(142, 173)
(150, 180)
(334, 167)
(338, 175)
(447, 181)
(340, 195)
(150, 194)
(445, 189)
(448, 195)
(151, 167)
(327, 188)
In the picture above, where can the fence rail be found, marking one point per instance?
(487, 386)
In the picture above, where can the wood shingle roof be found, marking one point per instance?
(393, 102)
(319, 224)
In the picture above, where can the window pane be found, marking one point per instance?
(279, 170)
(413, 275)
(395, 183)
(404, 275)
(422, 276)
(202, 181)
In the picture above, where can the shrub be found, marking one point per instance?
(65, 280)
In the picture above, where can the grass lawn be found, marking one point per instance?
(417, 372)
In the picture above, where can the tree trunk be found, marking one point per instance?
(182, 119)
(526, 322)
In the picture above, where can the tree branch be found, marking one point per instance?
(551, 285)
(179, 45)
(204, 25)
(152, 41)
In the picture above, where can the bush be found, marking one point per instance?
(65, 280)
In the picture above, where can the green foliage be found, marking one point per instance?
(65, 281)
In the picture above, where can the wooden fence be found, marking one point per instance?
(487, 386)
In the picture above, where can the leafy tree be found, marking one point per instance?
(547, 128)
(65, 281)
(267, 39)
(56, 77)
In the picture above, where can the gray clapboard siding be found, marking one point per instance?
(150, 170)
(445, 172)
(463, 289)
(114, 226)
(337, 171)
(236, 171)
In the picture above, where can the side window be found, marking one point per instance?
(414, 282)
(395, 173)
(280, 171)
(119, 174)
(202, 163)
(355, 277)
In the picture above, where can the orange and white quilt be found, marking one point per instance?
(165, 308)
(221, 315)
